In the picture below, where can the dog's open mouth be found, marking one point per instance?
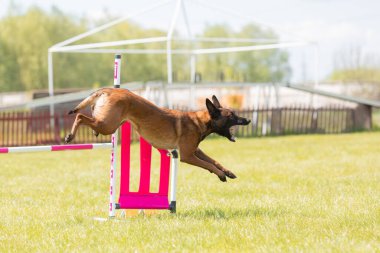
(232, 133)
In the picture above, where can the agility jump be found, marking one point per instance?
(142, 199)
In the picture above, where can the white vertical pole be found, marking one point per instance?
(114, 139)
(192, 90)
(189, 34)
(192, 79)
(173, 181)
(192, 68)
(277, 94)
(51, 86)
(316, 65)
(169, 61)
(169, 51)
(316, 72)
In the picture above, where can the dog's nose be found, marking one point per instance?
(244, 121)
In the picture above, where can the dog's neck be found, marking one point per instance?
(206, 126)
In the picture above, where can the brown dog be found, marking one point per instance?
(162, 128)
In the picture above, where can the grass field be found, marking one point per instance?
(297, 193)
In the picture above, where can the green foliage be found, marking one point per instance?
(9, 69)
(292, 194)
(360, 75)
(376, 118)
(354, 65)
(26, 37)
(256, 66)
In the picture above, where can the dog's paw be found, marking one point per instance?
(222, 177)
(69, 138)
(230, 174)
(72, 111)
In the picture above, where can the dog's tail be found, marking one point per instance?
(90, 100)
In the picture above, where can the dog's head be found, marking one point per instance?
(223, 120)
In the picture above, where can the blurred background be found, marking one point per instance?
(292, 62)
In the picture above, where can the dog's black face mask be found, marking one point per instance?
(223, 120)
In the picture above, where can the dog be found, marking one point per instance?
(162, 128)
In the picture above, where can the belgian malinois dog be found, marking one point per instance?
(162, 128)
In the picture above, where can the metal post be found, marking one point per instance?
(169, 51)
(169, 62)
(192, 68)
(114, 140)
(192, 90)
(277, 94)
(51, 88)
(316, 72)
(173, 181)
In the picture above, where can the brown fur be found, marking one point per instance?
(162, 128)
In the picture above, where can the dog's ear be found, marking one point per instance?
(216, 102)
(212, 110)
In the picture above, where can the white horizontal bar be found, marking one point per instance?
(229, 40)
(195, 51)
(27, 149)
(107, 25)
(248, 48)
(101, 145)
(109, 44)
(119, 51)
(130, 51)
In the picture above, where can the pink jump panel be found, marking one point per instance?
(164, 172)
(145, 164)
(140, 201)
(143, 198)
(125, 158)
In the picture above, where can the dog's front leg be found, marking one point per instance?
(201, 155)
(194, 160)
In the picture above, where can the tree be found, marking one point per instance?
(255, 66)
(26, 37)
(9, 69)
(352, 65)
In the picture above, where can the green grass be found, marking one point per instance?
(318, 193)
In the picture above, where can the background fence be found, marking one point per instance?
(297, 120)
(39, 128)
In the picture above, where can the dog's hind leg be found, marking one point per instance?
(201, 155)
(92, 113)
(82, 119)
(90, 100)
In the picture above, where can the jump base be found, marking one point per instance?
(143, 202)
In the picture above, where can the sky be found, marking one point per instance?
(332, 25)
